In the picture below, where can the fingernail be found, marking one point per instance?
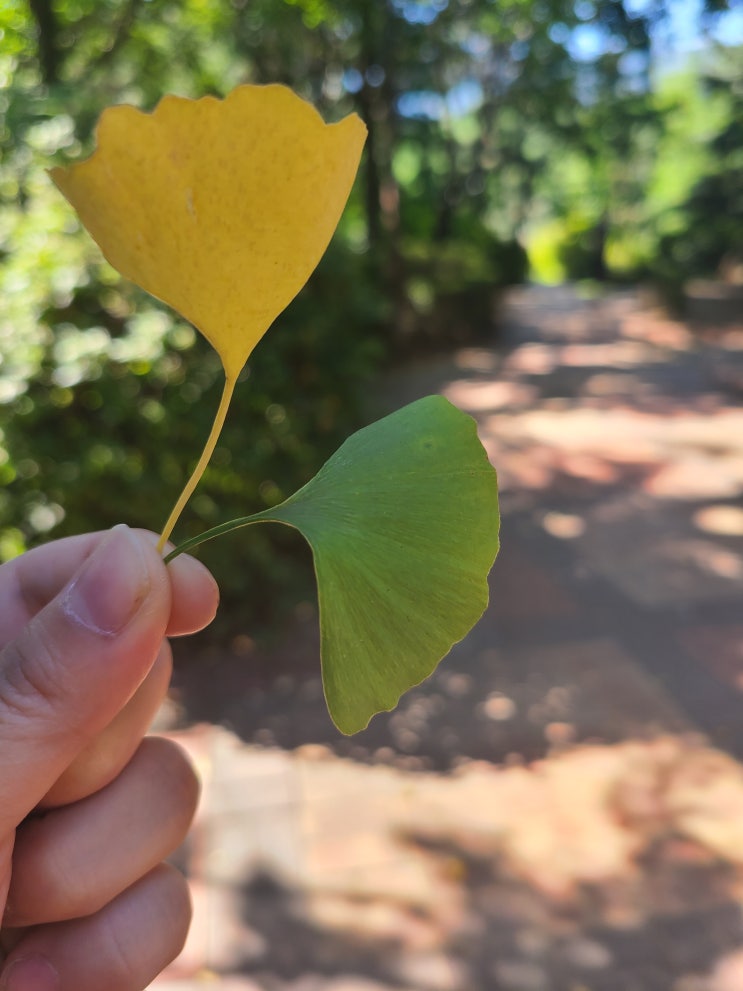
(30, 974)
(111, 586)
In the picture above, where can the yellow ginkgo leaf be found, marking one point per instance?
(221, 208)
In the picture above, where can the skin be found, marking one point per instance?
(89, 807)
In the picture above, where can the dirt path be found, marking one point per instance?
(616, 598)
(543, 814)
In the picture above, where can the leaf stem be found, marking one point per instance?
(217, 531)
(211, 442)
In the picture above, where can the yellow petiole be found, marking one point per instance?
(211, 443)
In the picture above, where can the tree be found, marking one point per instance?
(486, 119)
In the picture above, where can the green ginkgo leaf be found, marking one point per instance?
(403, 525)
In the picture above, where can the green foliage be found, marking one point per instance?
(491, 126)
(701, 226)
(449, 286)
(403, 524)
(111, 422)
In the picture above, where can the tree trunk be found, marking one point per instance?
(46, 33)
(372, 182)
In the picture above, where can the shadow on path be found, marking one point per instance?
(582, 836)
(616, 599)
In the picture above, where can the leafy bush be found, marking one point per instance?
(711, 220)
(450, 287)
(109, 425)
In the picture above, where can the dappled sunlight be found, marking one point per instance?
(698, 477)
(543, 813)
(563, 525)
(685, 455)
(587, 867)
(704, 556)
(624, 489)
(645, 409)
(532, 359)
(614, 384)
(659, 330)
(476, 360)
(682, 450)
(498, 696)
(730, 339)
(724, 520)
(653, 552)
(618, 354)
(480, 396)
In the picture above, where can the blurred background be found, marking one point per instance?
(507, 141)
(546, 228)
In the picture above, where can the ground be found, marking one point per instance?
(560, 806)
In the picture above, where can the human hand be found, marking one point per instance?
(88, 809)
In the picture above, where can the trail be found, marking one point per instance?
(560, 806)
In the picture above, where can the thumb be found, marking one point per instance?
(76, 663)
